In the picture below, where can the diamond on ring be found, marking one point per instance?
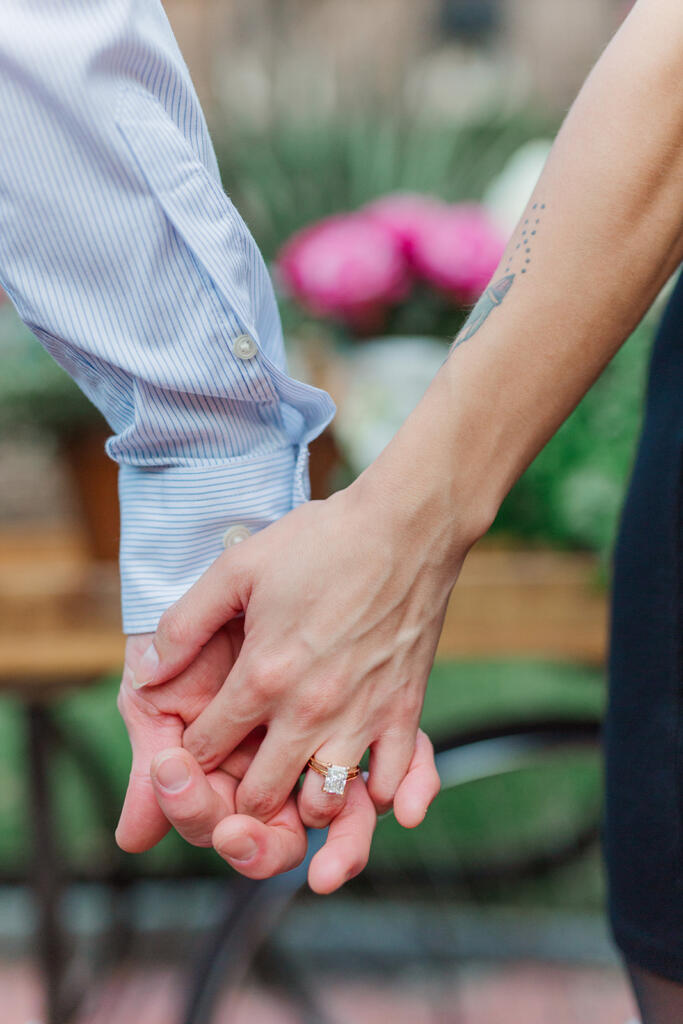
(335, 780)
(336, 775)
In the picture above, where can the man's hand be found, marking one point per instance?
(156, 722)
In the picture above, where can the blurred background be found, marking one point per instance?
(396, 142)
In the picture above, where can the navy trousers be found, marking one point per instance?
(644, 729)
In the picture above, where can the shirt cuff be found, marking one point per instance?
(174, 519)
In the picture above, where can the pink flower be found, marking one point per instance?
(408, 215)
(459, 251)
(348, 267)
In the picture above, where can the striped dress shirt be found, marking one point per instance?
(124, 256)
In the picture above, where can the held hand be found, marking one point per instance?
(156, 722)
(202, 809)
(342, 615)
(168, 788)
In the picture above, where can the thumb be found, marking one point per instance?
(217, 596)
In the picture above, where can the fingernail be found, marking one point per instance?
(146, 670)
(240, 848)
(172, 774)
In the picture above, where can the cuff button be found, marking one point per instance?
(244, 347)
(235, 535)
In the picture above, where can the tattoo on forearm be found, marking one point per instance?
(492, 297)
(518, 253)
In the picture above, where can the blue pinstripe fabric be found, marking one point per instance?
(123, 254)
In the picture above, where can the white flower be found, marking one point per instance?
(508, 194)
(386, 379)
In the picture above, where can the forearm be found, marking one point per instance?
(601, 235)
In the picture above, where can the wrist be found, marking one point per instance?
(442, 515)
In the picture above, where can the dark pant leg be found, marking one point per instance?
(643, 833)
(660, 1000)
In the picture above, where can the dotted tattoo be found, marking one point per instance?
(525, 242)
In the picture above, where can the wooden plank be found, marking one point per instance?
(527, 603)
(60, 623)
(26, 545)
(53, 662)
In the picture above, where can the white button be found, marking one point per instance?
(235, 535)
(244, 347)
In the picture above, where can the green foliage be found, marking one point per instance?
(572, 493)
(463, 823)
(301, 171)
(515, 813)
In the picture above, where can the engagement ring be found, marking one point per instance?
(336, 775)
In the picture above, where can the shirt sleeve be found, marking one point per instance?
(122, 253)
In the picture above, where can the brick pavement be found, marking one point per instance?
(523, 993)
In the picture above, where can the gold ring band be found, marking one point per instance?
(336, 775)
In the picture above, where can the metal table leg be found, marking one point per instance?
(45, 867)
(254, 909)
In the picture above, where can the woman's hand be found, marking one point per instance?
(167, 787)
(342, 614)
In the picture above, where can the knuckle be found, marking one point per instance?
(173, 628)
(382, 806)
(382, 793)
(311, 710)
(195, 837)
(318, 813)
(259, 803)
(200, 746)
(412, 709)
(265, 680)
(320, 702)
(190, 816)
(190, 821)
(256, 691)
(313, 819)
(272, 677)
